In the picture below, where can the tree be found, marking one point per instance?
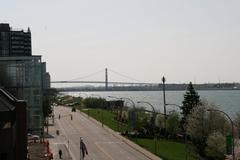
(237, 123)
(49, 97)
(201, 123)
(173, 123)
(159, 124)
(138, 118)
(196, 128)
(92, 102)
(191, 100)
(216, 146)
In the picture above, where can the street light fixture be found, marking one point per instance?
(164, 102)
(172, 104)
(117, 111)
(134, 110)
(133, 104)
(154, 111)
(185, 136)
(216, 110)
(154, 117)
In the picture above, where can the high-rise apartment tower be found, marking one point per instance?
(14, 42)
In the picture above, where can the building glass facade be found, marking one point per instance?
(23, 77)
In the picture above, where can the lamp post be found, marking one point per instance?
(134, 109)
(172, 104)
(53, 113)
(164, 102)
(117, 111)
(133, 104)
(185, 136)
(154, 117)
(216, 110)
(154, 111)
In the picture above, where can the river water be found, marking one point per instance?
(229, 100)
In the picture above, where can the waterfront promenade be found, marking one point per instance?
(102, 143)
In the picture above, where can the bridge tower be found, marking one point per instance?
(106, 79)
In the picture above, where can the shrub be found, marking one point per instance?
(92, 102)
(173, 122)
(216, 146)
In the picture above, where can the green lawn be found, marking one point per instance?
(166, 149)
(107, 118)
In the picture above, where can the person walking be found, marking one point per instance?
(60, 153)
(83, 149)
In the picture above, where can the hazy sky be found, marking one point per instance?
(185, 40)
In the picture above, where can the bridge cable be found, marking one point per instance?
(89, 75)
(122, 75)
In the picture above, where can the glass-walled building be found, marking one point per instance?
(23, 77)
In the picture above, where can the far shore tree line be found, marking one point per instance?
(203, 130)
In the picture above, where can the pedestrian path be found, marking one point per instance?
(65, 152)
(58, 142)
(125, 140)
(102, 143)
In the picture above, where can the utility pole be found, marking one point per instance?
(80, 149)
(164, 102)
(232, 126)
(47, 122)
(106, 79)
(154, 118)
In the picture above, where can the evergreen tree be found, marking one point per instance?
(191, 100)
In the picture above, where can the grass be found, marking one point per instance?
(166, 149)
(107, 118)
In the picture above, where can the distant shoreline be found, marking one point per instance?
(158, 87)
(111, 90)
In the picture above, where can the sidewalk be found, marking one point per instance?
(125, 140)
(63, 147)
(56, 143)
(37, 151)
(61, 142)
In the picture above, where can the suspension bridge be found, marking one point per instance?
(109, 85)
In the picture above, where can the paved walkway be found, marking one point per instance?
(102, 142)
(56, 143)
(64, 149)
